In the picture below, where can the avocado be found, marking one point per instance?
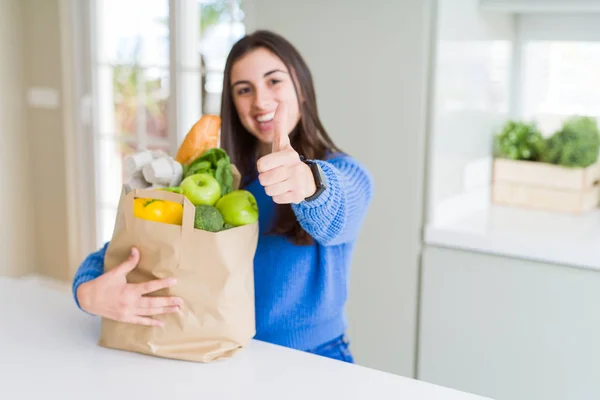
(208, 218)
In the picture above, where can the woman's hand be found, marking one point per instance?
(285, 177)
(110, 296)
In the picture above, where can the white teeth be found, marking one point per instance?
(266, 117)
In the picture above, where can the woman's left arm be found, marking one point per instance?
(336, 215)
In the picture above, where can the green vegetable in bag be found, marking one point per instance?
(201, 167)
(174, 189)
(224, 176)
(208, 218)
(215, 162)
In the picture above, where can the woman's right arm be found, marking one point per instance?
(91, 268)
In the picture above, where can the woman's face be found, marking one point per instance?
(260, 81)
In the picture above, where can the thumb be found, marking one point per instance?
(281, 140)
(130, 263)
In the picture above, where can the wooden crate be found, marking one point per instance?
(545, 186)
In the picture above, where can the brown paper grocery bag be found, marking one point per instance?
(215, 279)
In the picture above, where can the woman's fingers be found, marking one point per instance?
(276, 175)
(152, 286)
(157, 310)
(278, 188)
(152, 302)
(281, 140)
(128, 265)
(287, 198)
(280, 159)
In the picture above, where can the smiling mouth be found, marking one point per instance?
(265, 118)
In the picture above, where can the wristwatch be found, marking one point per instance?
(319, 177)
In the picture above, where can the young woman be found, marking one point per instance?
(312, 200)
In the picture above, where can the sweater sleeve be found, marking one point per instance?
(91, 268)
(336, 215)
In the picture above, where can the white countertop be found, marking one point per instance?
(571, 240)
(49, 348)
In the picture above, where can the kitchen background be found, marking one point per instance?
(472, 271)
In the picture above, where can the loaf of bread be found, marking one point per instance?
(204, 135)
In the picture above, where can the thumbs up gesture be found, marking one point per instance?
(284, 176)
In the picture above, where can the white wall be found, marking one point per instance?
(471, 100)
(369, 62)
(17, 238)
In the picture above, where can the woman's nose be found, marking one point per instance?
(262, 100)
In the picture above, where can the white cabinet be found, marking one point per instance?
(509, 329)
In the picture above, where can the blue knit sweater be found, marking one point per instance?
(300, 291)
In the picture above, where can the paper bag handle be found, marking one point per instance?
(189, 210)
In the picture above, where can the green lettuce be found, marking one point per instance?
(215, 162)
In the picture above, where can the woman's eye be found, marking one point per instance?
(275, 81)
(243, 91)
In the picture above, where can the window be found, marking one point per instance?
(560, 79)
(156, 67)
(548, 73)
(560, 60)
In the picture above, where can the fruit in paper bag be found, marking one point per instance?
(201, 189)
(208, 218)
(164, 211)
(202, 136)
(215, 162)
(238, 208)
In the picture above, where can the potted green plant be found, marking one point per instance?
(559, 173)
(519, 141)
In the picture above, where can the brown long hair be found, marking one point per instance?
(308, 138)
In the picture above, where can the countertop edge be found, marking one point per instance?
(573, 256)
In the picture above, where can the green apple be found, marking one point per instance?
(201, 189)
(238, 208)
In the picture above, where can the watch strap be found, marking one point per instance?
(318, 176)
